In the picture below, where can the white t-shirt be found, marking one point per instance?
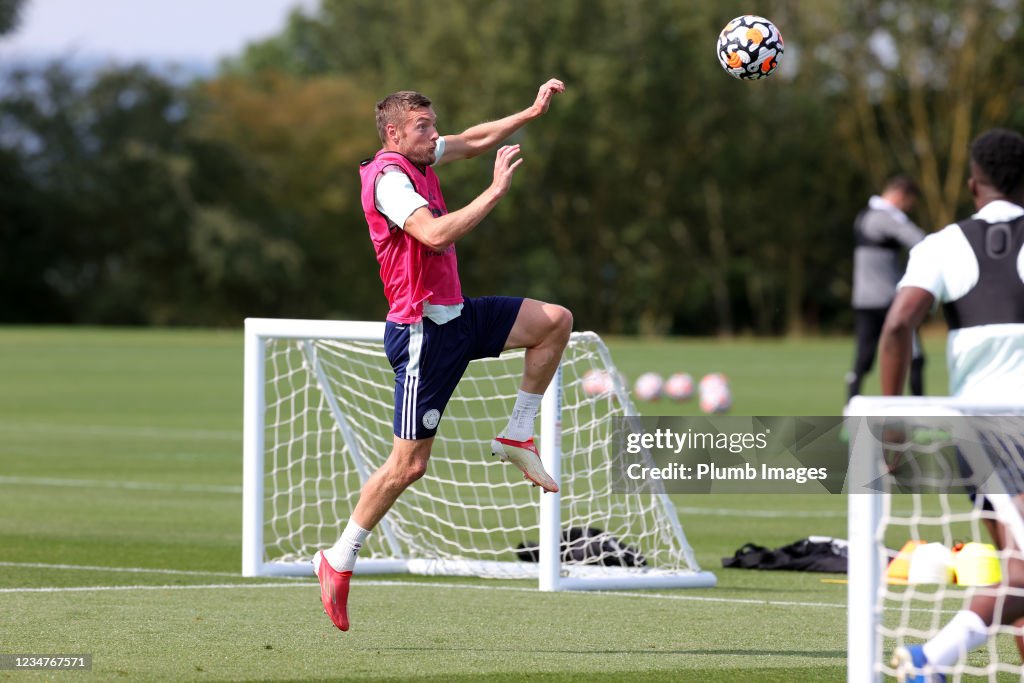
(397, 199)
(985, 361)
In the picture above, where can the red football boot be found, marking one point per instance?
(333, 590)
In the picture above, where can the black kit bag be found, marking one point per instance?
(588, 545)
(812, 554)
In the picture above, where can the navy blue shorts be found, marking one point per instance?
(430, 359)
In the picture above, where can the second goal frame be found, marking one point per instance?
(871, 507)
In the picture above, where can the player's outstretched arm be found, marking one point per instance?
(482, 137)
(439, 233)
(908, 311)
(907, 234)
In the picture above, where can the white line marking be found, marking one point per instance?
(98, 589)
(131, 570)
(129, 485)
(420, 584)
(618, 594)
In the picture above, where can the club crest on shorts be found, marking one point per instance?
(431, 418)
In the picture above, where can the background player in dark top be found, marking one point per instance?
(882, 232)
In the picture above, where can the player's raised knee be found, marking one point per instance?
(404, 469)
(561, 321)
(413, 471)
(416, 469)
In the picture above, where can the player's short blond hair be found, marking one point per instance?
(393, 109)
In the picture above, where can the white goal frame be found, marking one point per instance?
(550, 572)
(866, 510)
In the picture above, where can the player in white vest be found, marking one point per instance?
(975, 269)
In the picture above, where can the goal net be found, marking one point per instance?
(913, 463)
(318, 422)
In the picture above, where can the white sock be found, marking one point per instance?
(962, 634)
(520, 425)
(342, 555)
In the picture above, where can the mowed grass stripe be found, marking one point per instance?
(364, 583)
(129, 485)
(94, 431)
(408, 633)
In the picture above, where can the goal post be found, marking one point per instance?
(914, 488)
(318, 407)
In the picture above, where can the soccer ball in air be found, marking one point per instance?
(648, 386)
(679, 386)
(750, 47)
(715, 396)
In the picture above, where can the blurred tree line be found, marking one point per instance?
(658, 195)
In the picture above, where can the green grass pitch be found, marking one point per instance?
(120, 526)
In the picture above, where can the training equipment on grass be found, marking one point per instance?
(930, 563)
(318, 421)
(750, 47)
(911, 462)
(898, 570)
(600, 382)
(977, 564)
(648, 386)
(715, 395)
(679, 386)
(597, 383)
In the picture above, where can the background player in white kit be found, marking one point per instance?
(975, 268)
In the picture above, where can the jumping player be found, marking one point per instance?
(432, 331)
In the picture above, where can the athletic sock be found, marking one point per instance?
(963, 633)
(520, 425)
(342, 555)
